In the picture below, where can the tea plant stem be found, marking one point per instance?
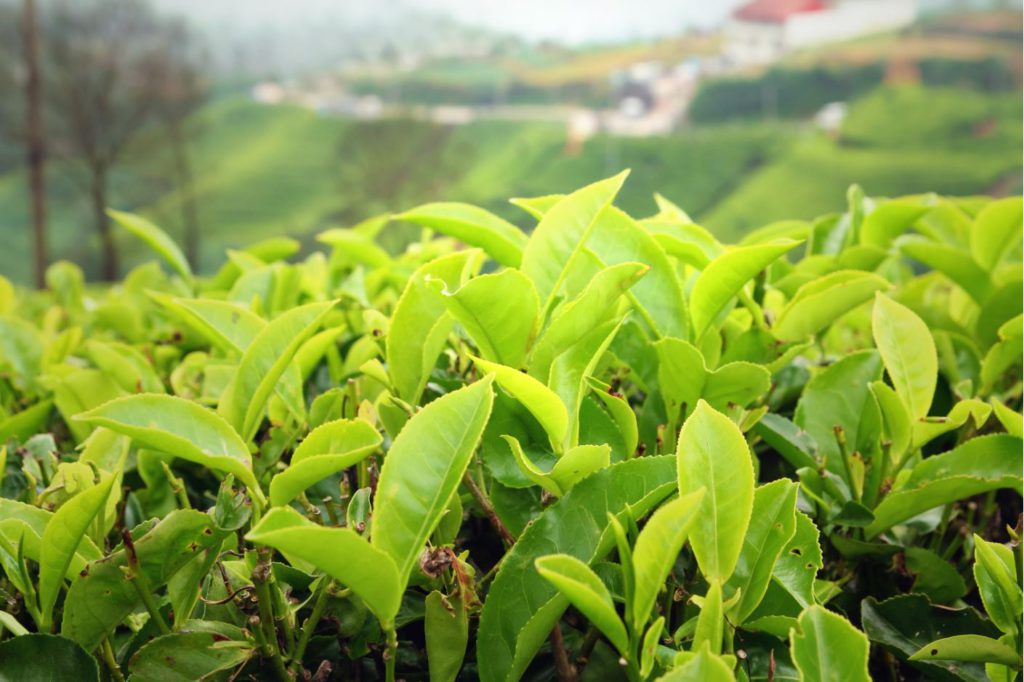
(845, 456)
(587, 648)
(481, 498)
(564, 668)
(140, 584)
(107, 653)
(177, 486)
(391, 655)
(319, 604)
(261, 582)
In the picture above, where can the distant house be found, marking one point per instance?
(761, 31)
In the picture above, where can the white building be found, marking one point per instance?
(761, 31)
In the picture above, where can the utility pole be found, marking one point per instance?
(35, 145)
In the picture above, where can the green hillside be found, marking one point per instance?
(267, 170)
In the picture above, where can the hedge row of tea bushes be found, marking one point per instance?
(592, 448)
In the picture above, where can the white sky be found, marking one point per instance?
(567, 21)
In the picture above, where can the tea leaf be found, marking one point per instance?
(725, 276)
(587, 593)
(821, 302)
(327, 449)
(341, 553)
(826, 647)
(446, 630)
(264, 362)
(179, 427)
(562, 233)
(657, 548)
(713, 455)
(772, 526)
(423, 469)
(503, 333)
(501, 240)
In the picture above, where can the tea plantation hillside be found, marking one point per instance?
(263, 171)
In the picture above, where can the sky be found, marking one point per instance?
(565, 21)
(576, 21)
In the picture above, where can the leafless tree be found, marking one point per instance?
(102, 90)
(35, 146)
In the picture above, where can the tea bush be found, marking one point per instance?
(611, 449)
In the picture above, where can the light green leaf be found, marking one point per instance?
(725, 276)
(890, 219)
(621, 413)
(446, 629)
(353, 246)
(155, 238)
(562, 233)
(1011, 420)
(11, 624)
(713, 454)
(537, 206)
(979, 465)
(908, 351)
(996, 231)
(710, 622)
(657, 297)
(542, 402)
(952, 262)
(62, 537)
(503, 333)
(895, 419)
(995, 572)
(181, 428)
(970, 648)
(822, 301)
(684, 379)
(264, 362)
(341, 553)
(704, 667)
(422, 471)
(826, 648)
(592, 309)
(772, 526)
(927, 429)
(649, 647)
(126, 365)
(420, 323)
(657, 548)
(500, 239)
(839, 396)
(327, 449)
(226, 325)
(576, 464)
(570, 370)
(587, 593)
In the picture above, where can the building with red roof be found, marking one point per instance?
(761, 31)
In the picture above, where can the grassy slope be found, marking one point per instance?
(894, 142)
(264, 171)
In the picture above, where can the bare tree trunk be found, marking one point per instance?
(110, 268)
(186, 188)
(35, 144)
